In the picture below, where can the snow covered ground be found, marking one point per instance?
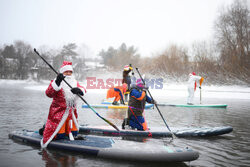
(169, 91)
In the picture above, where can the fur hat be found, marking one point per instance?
(66, 66)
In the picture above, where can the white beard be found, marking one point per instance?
(69, 96)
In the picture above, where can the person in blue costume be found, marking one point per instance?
(136, 105)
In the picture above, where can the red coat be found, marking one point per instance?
(59, 112)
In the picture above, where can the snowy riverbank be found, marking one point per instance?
(168, 91)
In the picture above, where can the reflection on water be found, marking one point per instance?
(57, 158)
(135, 139)
(28, 109)
(116, 113)
(53, 158)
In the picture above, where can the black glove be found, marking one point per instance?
(77, 90)
(200, 87)
(41, 130)
(153, 102)
(59, 79)
(145, 88)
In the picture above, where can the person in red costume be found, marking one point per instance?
(62, 118)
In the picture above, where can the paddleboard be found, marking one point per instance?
(147, 106)
(158, 131)
(110, 102)
(115, 149)
(194, 105)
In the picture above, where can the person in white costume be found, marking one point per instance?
(192, 83)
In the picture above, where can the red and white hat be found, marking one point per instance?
(66, 66)
(127, 68)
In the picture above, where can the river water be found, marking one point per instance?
(25, 106)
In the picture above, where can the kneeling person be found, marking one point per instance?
(117, 92)
(137, 101)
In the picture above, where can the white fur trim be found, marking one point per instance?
(71, 136)
(66, 68)
(83, 90)
(75, 121)
(126, 68)
(54, 85)
(64, 118)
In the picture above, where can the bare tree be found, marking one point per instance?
(204, 57)
(205, 61)
(173, 62)
(233, 38)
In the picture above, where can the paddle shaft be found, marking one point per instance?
(200, 95)
(132, 69)
(77, 94)
(155, 104)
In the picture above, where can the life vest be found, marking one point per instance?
(136, 104)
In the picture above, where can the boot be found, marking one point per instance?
(79, 137)
(115, 103)
(41, 130)
(125, 122)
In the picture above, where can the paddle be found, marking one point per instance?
(132, 69)
(200, 94)
(201, 80)
(77, 94)
(173, 136)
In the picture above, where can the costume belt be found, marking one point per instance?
(136, 108)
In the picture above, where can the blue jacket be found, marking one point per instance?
(139, 95)
(137, 101)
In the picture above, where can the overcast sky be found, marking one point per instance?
(149, 25)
